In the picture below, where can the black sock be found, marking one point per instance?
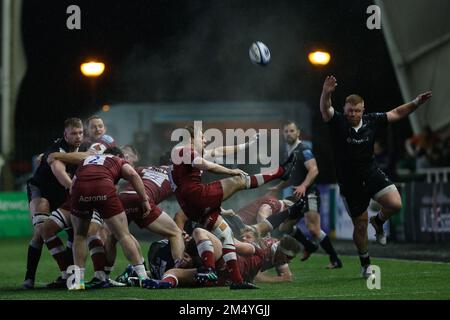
(365, 259)
(34, 255)
(69, 252)
(277, 219)
(294, 211)
(300, 237)
(328, 247)
(378, 220)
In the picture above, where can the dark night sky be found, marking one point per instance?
(196, 50)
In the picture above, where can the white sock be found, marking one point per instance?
(101, 275)
(318, 240)
(140, 270)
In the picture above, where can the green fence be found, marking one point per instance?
(14, 217)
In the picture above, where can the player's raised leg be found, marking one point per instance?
(391, 203)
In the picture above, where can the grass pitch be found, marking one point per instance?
(400, 279)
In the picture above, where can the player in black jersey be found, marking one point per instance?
(352, 138)
(48, 189)
(302, 179)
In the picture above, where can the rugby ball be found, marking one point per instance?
(259, 53)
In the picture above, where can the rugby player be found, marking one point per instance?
(96, 142)
(94, 188)
(202, 202)
(251, 263)
(302, 179)
(157, 187)
(47, 190)
(352, 138)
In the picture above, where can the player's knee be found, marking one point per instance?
(47, 231)
(396, 205)
(239, 181)
(198, 233)
(314, 230)
(37, 235)
(93, 228)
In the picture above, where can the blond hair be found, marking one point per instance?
(354, 99)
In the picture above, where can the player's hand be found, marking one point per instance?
(300, 191)
(422, 98)
(330, 84)
(146, 208)
(238, 172)
(51, 157)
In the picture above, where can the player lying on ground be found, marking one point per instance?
(201, 202)
(256, 259)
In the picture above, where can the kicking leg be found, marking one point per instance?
(391, 203)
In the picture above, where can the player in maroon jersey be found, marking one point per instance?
(260, 209)
(252, 261)
(157, 188)
(202, 202)
(94, 188)
(95, 142)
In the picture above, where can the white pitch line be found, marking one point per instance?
(366, 295)
(394, 259)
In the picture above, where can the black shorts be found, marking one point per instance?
(55, 196)
(357, 194)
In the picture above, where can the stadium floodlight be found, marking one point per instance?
(319, 58)
(92, 69)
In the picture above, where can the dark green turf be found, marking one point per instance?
(400, 279)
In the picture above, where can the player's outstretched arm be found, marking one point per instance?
(223, 151)
(268, 278)
(405, 109)
(326, 109)
(244, 248)
(68, 158)
(180, 219)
